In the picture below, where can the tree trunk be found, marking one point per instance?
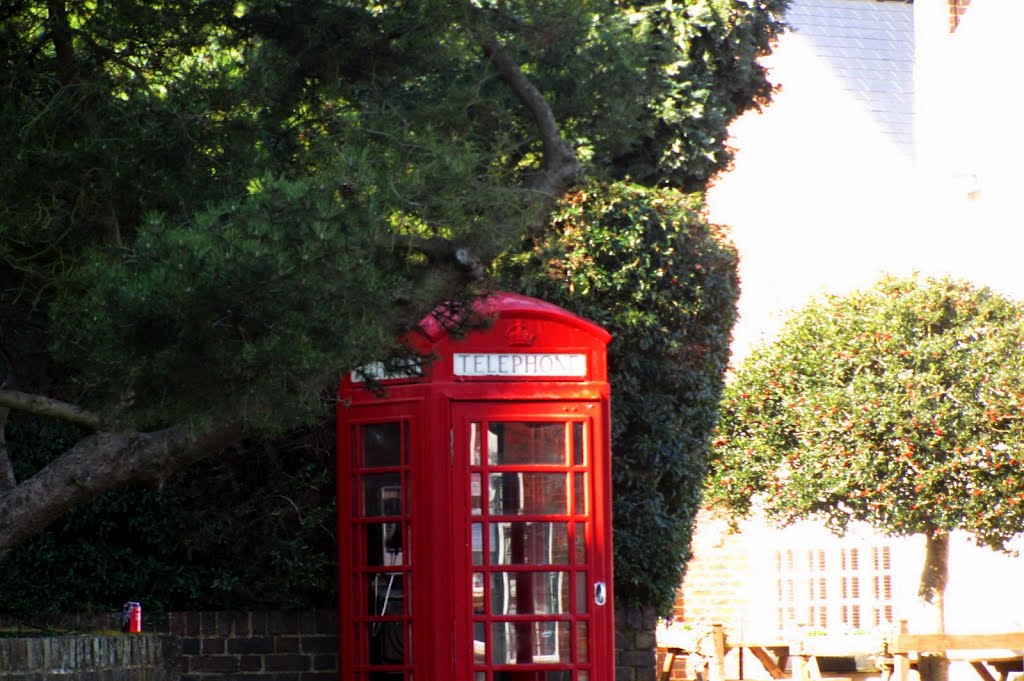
(932, 592)
(99, 463)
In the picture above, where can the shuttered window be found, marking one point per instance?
(835, 589)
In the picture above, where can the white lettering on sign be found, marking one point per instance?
(520, 364)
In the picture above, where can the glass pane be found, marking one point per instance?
(475, 494)
(577, 444)
(477, 530)
(382, 445)
(387, 642)
(529, 593)
(474, 444)
(556, 675)
(582, 676)
(479, 644)
(527, 493)
(382, 494)
(582, 593)
(579, 493)
(526, 443)
(529, 543)
(581, 543)
(384, 544)
(530, 642)
(582, 643)
(478, 593)
(387, 594)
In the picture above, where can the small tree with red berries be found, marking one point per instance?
(901, 406)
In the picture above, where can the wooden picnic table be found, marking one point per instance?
(673, 652)
(774, 655)
(1000, 651)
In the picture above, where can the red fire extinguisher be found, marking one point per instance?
(131, 617)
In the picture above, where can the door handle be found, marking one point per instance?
(600, 593)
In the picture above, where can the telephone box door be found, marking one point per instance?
(531, 586)
(380, 589)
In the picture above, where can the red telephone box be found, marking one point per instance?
(474, 506)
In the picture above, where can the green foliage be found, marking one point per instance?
(900, 406)
(207, 209)
(232, 311)
(700, 84)
(646, 91)
(646, 266)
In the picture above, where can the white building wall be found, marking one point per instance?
(970, 152)
(830, 190)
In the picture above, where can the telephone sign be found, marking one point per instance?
(509, 364)
(474, 506)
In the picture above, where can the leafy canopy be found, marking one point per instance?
(212, 203)
(901, 406)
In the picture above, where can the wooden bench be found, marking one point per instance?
(999, 651)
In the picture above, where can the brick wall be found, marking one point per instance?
(264, 646)
(712, 589)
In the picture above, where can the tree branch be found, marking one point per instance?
(57, 17)
(443, 251)
(99, 463)
(7, 479)
(47, 406)
(561, 168)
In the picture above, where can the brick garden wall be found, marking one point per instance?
(186, 646)
(241, 646)
(140, 657)
(634, 644)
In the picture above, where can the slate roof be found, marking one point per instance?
(869, 45)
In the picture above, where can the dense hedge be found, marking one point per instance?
(646, 265)
(252, 528)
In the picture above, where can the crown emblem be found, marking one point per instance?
(519, 334)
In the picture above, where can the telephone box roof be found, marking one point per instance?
(502, 304)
